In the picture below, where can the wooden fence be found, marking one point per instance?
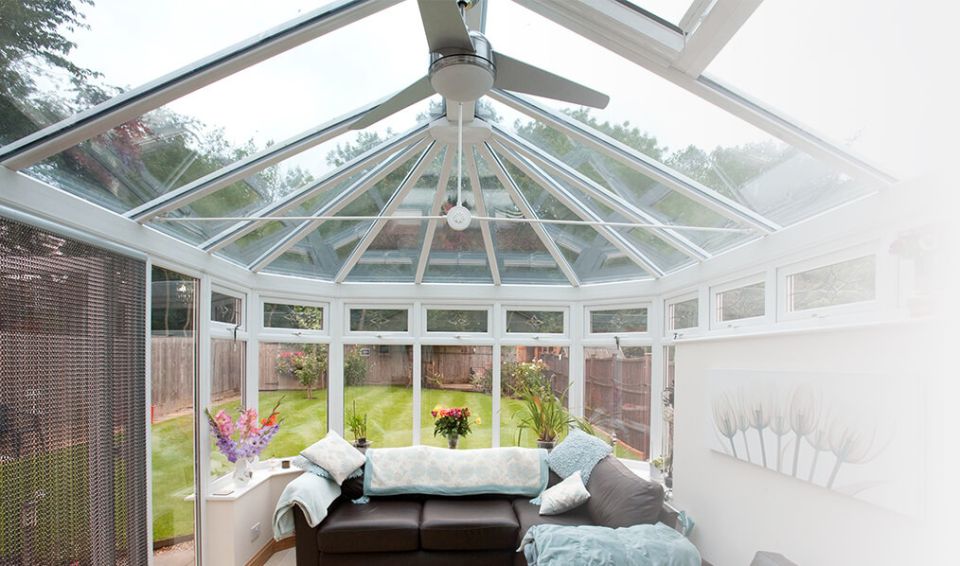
(617, 397)
(172, 360)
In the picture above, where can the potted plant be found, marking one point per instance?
(543, 413)
(658, 468)
(452, 422)
(358, 428)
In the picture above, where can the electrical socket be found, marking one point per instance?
(255, 532)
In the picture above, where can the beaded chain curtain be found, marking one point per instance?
(72, 386)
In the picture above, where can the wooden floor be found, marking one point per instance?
(286, 557)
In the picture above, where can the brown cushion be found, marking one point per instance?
(529, 515)
(620, 498)
(378, 526)
(468, 525)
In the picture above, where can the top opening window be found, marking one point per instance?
(293, 316)
(614, 321)
(740, 302)
(458, 321)
(379, 320)
(682, 313)
(225, 308)
(841, 283)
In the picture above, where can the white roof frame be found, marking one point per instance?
(474, 174)
(438, 198)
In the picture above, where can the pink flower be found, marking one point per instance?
(224, 423)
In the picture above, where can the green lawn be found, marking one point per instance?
(389, 411)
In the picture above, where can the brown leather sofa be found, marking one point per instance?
(482, 531)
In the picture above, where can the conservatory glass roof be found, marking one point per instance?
(256, 145)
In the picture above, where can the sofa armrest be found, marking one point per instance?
(308, 554)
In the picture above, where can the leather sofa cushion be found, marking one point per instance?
(620, 498)
(529, 515)
(378, 526)
(471, 524)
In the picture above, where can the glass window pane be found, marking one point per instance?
(535, 322)
(378, 381)
(619, 320)
(667, 398)
(457, 320)
(228, 360)
(683, 314)
(226, 308)
(301, 317)
(378, 320)
(534, 367)
(173, 373)
(743, 302)
(617, 397)
(457, 376)
(842, 283)
(297, 375)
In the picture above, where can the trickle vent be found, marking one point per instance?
(72, 422)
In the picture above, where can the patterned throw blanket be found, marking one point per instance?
(440, 471)
(639, 545)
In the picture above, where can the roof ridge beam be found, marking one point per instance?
(473, 171)
(138, 101)
(615, 238)
(521, 202)
(639, 162)
(245, 167)
(434, 211)
(341, 201)
(297, 197)
(424, 161)
(589, 186)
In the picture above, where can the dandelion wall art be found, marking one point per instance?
(855, 434)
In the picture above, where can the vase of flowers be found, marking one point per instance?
(452, 422)
(242, 440)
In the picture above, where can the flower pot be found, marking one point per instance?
(362, 445)
(452, 440)
(546, 444)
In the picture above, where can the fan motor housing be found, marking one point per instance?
(463, 76)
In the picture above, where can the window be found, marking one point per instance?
(667, 400)
(529, 367)
(535, 322)
(298, 374)
(617, 397)
(618, 320)
(297, 317)
(682, 314)
(228, 359)
(457, 376)
(379, 320)
(378, 383)
(458, 321)
(738, 303)
(227, 309)
(841, 283)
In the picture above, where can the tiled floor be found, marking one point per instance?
(286, 557)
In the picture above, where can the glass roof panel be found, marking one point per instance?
(458, 257)
(394, 253)
(861, 81)
(521, 256)
(108, 46)
(671, 125)
(244, 113)
(669, 10)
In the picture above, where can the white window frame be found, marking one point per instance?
(588, 322)
(847, 309)
(407, 334)
(514, 337)
(426, 332)
(294, 334)
(716, 290)
(676, 299)
(225, 329)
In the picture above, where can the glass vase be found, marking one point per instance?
(243, 471)
(452, 440)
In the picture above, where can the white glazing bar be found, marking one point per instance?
(340, 202)
(482, 211)
(438, 199)
(138, 101)
(511, 187)
(243, 168)
(612, 236)
(424, 161)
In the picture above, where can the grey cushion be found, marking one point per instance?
(620, 498)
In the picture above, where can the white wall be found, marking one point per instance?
(740, 508)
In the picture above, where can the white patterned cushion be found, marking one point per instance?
(335, 455)
(564, 496)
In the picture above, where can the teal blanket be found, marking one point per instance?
(312, 493)
(639, 545)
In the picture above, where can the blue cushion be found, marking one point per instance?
(308, 466)
(577, 452)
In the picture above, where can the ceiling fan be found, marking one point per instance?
(464, 66)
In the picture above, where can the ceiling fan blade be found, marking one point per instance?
(410, 95)
(523, 77)
(443, 25)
